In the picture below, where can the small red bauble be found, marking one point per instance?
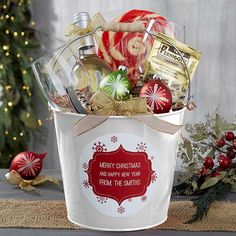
(225, 162)
(158, 96)
(28, 164)
(229, 136)
(221, 156)
(230, 154)
(216, 174)
(203, 171)
(208, 162)
(220, 142)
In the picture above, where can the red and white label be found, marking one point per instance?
(120, 174)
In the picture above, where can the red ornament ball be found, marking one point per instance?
(208, 162)
(225, 162)
(220, 142)
(158, 96)
(229, 136)
(28, 164)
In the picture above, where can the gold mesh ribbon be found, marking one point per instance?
(14, 178)
(134, 108)
(106, 105)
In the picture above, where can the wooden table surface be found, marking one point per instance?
(49, 192)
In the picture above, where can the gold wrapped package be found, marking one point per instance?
(165, 62)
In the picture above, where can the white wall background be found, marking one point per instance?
(210, 27)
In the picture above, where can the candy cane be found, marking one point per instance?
(130, 49)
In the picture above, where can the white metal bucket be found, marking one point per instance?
(119, 175)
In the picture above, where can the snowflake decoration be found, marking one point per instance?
(85, 166)
(86, 183)
(116, 86)
(156, 97)
(141, 147)
(28, 164)
(102, 199)
(99, 147)
(144, 198)
(153, 177)
(114, 139)
(121, 210)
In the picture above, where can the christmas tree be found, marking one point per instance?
(17, 42)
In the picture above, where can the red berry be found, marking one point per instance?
(215, 174)
(208, 162)
(225, 162)
(230, 154)
(220, 142)
(203, 171)
(229, 136)
(221, 156)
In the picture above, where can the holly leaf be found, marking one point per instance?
(189, 149)
(227, 126)
(198, 137)
(222, 174)
(209, 182)
(220, 126)
(194, 185)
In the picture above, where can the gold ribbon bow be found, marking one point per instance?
(63, 54)
(106, 105)
(134, 108)
(14, 178)
(96, 21)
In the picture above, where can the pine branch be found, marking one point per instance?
(202, 203)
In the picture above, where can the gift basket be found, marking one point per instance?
(118, 91)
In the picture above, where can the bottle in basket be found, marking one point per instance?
(96, 68)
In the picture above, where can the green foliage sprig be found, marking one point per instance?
(208, 184)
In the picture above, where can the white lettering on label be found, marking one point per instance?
(105, 182)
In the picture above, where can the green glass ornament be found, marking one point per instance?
(117, 84)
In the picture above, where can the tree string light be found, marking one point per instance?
(16, 111)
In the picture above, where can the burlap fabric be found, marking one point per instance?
(52, 215)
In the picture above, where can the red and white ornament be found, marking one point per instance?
(28, 164)
(131, 49)
(158, 96)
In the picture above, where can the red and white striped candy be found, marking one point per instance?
(131, 49)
